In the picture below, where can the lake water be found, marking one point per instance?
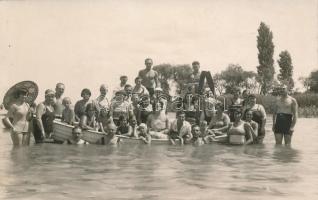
(49, 171)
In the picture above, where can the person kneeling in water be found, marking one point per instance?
(239, 132)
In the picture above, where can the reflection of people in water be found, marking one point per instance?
(284, 117)
(20, 115)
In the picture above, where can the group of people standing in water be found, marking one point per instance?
(140, 111)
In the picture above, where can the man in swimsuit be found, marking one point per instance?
(149, 77)
(59, 107)
(284, 117)
(197, 78)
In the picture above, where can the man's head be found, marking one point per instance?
(181, 115)
(283, 90)
(252, 99)
(138, 81)
(76, 133)
(196, 131)
(148, 63)
(142, 128)
(59, 89)
(123, 79)
(103, 89)
(195, 66)
(111, 129)
(128, 89)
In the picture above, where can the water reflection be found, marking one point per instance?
(49, 171)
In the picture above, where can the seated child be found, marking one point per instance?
(68, 114)
(124, 128)
(144, 134)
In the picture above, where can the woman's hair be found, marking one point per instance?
(86, 91)
(137, 78)
(21, 91)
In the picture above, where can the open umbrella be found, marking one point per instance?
(10, 96)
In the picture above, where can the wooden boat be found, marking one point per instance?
(61, 131)
(92, 137)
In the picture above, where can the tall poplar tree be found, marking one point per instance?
(286, 69)
(265, 47)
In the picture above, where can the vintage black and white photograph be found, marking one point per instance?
(148, 99)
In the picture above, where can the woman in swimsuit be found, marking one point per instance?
(209, 110)
(89, 120)
(239, 132)
(253, 124)
(259, 116)
(219, 122)
(19, 112)
(80, 106)
(44, 117)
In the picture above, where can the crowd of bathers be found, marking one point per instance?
(141, 111)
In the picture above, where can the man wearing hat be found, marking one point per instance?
(121, 86)
(285, 116)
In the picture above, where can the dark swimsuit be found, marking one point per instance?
(283, 123)
(258, 118)
(47, 121)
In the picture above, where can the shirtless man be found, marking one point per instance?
(149, 77)
(59, 107)
(284, 117)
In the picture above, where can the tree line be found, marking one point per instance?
(261, 82)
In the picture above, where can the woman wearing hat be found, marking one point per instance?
(20, 115)
(45, 115)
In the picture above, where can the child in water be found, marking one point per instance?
(124, 128)
(68, 114)
(144, 134)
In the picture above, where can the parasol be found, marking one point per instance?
(10, 96)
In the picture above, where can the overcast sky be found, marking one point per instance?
(86, 43)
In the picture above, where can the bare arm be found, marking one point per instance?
(295, 113)
(10, 113)
(157, 80)
(274, 116)
(40, 110)
(248, 129)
